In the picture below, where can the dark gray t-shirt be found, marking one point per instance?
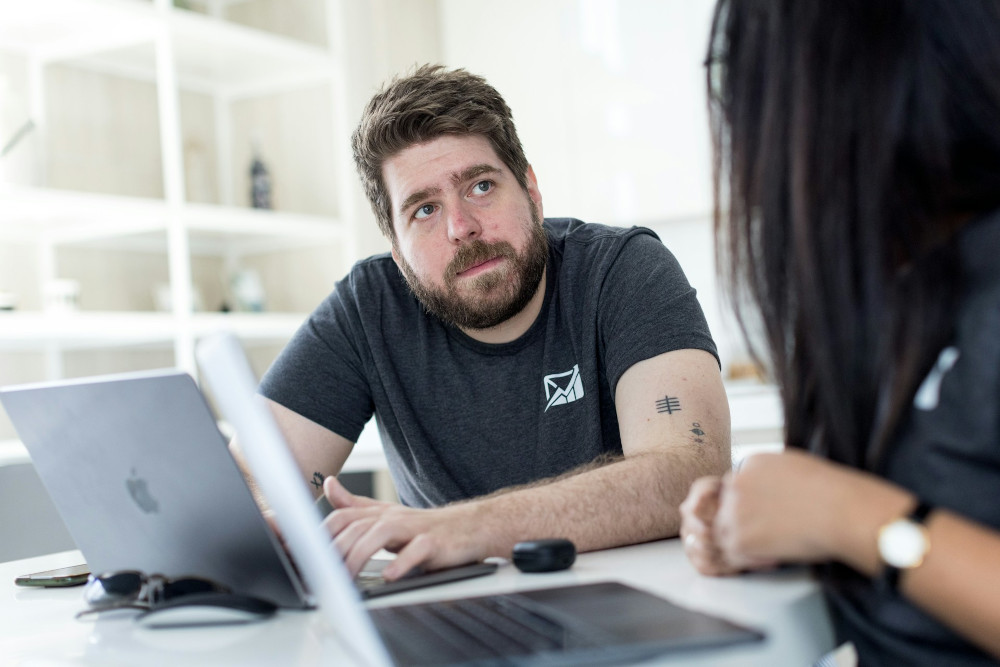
(948, 453)
(459, 418)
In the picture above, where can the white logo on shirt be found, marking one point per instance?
(568, 390)
(929, 393)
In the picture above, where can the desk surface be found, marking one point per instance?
(37, 625)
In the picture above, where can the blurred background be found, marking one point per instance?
(170, 169)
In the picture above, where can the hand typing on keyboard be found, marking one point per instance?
(431, 538)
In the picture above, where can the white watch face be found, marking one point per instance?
(903, 543)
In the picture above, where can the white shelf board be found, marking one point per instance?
(66, 216)
(756, 414)
(117, 37)
(249, 326)
(51, 29)
(367, 454)
(74, 330)
(237, 60)
(258, 230)
(13, 452)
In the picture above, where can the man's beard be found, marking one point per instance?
(497, 295)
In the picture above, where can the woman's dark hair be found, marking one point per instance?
(852, 140)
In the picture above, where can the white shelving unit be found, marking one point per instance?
(176, 49)
(756, 417)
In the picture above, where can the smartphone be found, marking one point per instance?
(75, 575)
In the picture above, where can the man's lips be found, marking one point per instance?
(480, 267)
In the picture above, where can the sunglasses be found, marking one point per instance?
(130, 589)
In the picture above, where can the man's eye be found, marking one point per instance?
(482, 187)
(424, 211)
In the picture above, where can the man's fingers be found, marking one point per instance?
(348, 543)
(340, 497)
(380, 533)
(417, 552)
(338, 520)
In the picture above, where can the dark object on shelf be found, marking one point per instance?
(260, 184)
(544, 555)
(8, 300)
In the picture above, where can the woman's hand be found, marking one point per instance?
(697, 519)
(796, 507)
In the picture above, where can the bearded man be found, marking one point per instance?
(530, 378)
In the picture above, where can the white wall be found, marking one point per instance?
(609, 101)
(608, 98)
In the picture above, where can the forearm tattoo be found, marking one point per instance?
(317, 480)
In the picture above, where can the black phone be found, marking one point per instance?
(74, 575)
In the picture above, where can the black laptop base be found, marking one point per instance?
(591, 624)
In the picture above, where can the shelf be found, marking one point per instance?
(756, 414)
(13, 452)
(178, 51)
(27, 330)
(56, 29)
(115, 36)
(131, 223)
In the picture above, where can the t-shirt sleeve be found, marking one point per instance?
(648, 307)
(320, 374)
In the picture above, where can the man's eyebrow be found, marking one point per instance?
(458, 177)
(473, 171)
(416, 197)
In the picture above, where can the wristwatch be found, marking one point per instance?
(903, 544)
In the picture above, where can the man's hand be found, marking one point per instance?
(432, 538)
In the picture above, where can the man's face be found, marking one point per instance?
(469, 239)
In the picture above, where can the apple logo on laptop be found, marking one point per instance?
(139, 490)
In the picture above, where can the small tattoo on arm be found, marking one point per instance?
(317, 480)
(668, 404)
(697, 429)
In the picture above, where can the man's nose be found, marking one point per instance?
(462, 227)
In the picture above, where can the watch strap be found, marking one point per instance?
(890, 573)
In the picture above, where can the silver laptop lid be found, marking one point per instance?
(232, 382)
(143, 480)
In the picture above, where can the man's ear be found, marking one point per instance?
(533, 191)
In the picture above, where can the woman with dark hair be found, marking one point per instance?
(858, 227)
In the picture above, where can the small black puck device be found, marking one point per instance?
(544, 555)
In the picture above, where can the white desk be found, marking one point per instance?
(37, 625)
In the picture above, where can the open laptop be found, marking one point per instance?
(601, 623)
(144, 480)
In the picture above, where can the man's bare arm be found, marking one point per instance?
(319, 452)
(674, 421)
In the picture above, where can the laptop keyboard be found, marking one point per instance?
(367, 580)
(474, 629)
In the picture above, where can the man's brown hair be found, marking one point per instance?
(429, 103)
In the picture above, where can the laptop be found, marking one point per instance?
(143, 480)
(599, 623)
